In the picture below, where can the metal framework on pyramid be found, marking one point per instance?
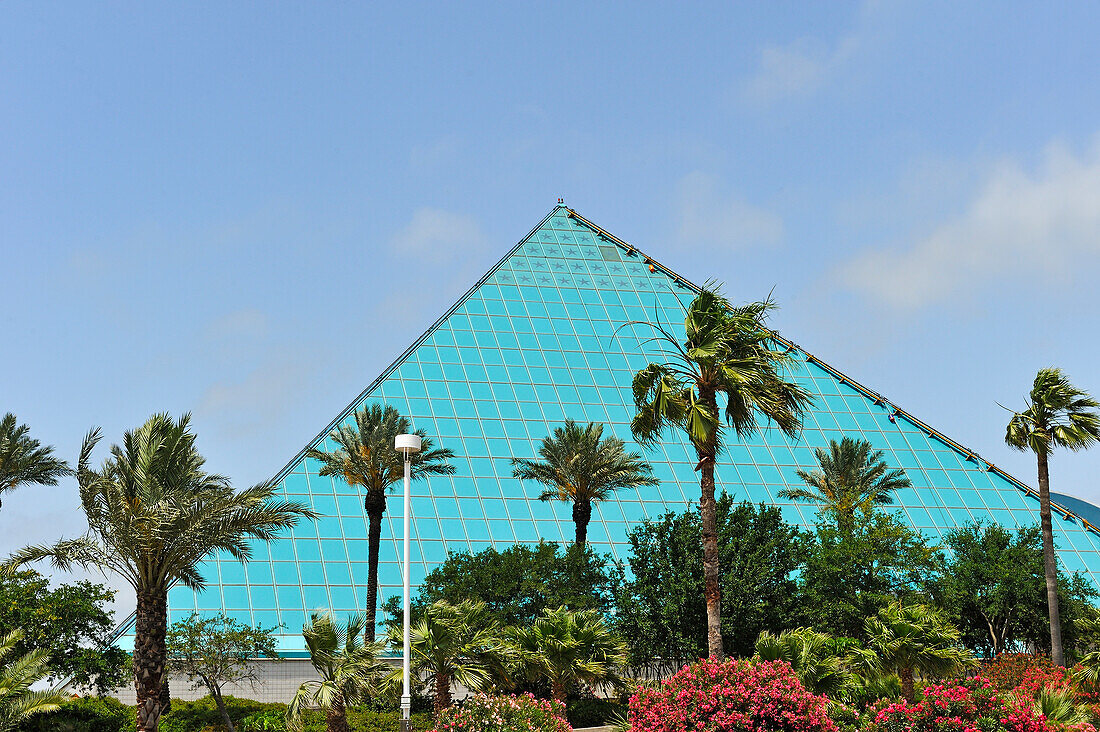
(530, 344)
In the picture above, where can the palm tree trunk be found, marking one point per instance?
(442, 693)
(1050, 563)
(375, 505)
(150, 629)
(907, 688)
(165, 690)
(582, 514)
(337, 717)
(712, 591)
(708, 515)
(557, 690)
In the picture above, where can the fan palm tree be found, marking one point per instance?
(153, 514)
(579, 465)
(814, 657)
(1058, 414)
(348, 666)
(852, 477)
(1059, 707)
(568, 648)
(729, 356)
(17, 701)
(453, 643)
(366, 457)
(23, 460)
(913, 638)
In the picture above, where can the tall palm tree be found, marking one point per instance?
(453, 643)
(153, 514)
(367, 458)
(1058, 414)
(568, 648)
(579, 465)
(348, 665)
(815, 658)
(914, 638)
(17, 701)
(852, 477)
(23, 460)
(729, 356)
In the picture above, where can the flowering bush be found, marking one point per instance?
(1008, 671)
(482, 713)
(1037, 678)
(725, 696)
(972, 705)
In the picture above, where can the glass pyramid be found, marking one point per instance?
(533, 343)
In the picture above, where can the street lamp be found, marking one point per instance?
(406, 445)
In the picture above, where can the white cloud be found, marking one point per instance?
(711, 217)
(259, 398)
(438, 236)
(805, 65)
(786, 71)
(1019, 223)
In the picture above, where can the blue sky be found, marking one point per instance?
(248, 210)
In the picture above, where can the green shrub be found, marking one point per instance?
(268, 721)
(92, 714)
(202, 715)
(591, 712)
(86, 714)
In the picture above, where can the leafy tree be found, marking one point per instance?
(850, 575)
(17, 701)
(568, 648)
(348, 666)
(815, 658)
(661, 609)
(367, 458)
(71, 623)
(914, 638)
(215, 651)
(579, 465)
(518, 583)
(992, 588)
(452, 643)
(728, 357)
(153, 514)
(852, 477)
(23, 460)
(1058, 414)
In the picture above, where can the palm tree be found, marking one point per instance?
(578, 465)
(153, 514)
(728, 354)
(814, 657)
(852, 478)
(1058, 414)
(453, 643)
(17, 701)
(568, 648)
(348, 665)
(913, 638)
(367, 458)
(23, 460)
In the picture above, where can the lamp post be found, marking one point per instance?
(406, 445)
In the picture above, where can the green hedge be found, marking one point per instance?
(89, 714)
(109, 715)
(589, 712)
